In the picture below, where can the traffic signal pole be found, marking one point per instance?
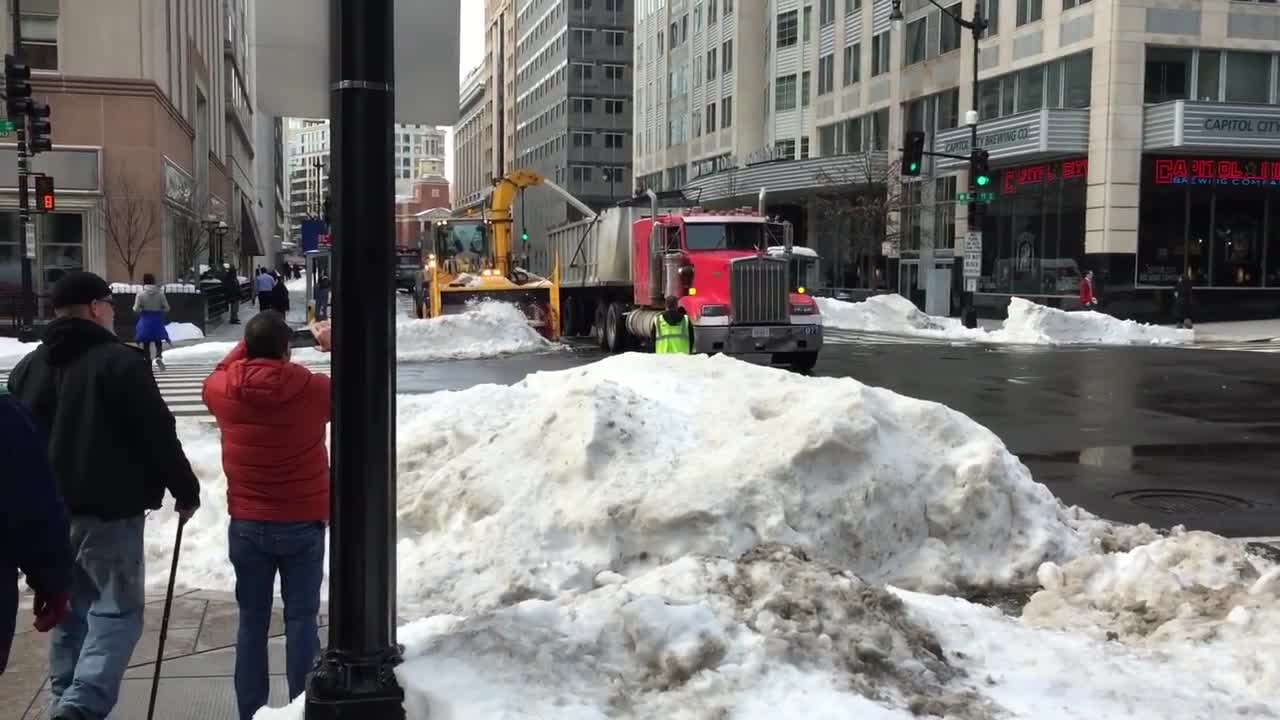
(355, 678)
(26, 304)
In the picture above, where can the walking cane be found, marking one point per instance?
(164, 621)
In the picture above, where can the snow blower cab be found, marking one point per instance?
(467, 265)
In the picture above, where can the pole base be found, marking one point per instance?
(345, 686)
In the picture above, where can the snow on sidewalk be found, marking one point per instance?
(1028, 323)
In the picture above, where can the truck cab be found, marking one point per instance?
(741, 296)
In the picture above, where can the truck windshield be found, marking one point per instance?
(724, 236)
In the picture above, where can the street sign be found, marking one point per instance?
(6, 127)
(971, 284)
(31, 240)
(972, 254)
(982, 197)
(889, 249)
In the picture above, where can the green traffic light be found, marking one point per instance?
(915, 167)
(524, 236)
(983, 180)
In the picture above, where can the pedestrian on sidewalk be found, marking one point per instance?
(322, 297)
(231, 288)
(152, 307)
(265, 284)
(1182, 293)
(1087, 297)
(280, 296)
(114, 450)
(33, 526)
(273, 415)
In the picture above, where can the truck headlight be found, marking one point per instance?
(797, 309)
(715, 310)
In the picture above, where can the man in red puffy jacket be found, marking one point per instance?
(274, 417)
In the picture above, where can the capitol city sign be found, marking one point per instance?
(1242, 125)
(999, 138)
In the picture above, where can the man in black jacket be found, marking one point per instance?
(114, 451)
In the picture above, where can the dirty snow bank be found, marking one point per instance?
(181, 331)
(892, 314)
(1028, 323)
(1035, 324)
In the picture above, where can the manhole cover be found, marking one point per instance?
(1175, 502)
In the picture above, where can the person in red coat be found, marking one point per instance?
(1087, 298)
(274, 417)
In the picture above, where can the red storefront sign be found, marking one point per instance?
(1215, 171)
(1015, 179)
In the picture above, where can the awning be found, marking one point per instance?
(250, 244)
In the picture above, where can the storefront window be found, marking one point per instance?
(1248, 77)
(1168, 74)
(1214, 217)
(1033, 232)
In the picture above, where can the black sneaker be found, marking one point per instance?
(68, 713)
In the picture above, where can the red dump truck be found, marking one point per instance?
(736, 273)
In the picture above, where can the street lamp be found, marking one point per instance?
(215, 228)
(977, 26)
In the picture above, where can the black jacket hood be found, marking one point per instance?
(69, 338)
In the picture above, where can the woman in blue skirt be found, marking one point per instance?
(151, 306)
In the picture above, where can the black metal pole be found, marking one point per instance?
(969, 315)
(26, 304)
(354, 678)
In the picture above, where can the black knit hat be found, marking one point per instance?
(78, 288)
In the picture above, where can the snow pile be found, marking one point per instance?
(485, 329)
(1035, 324)
(1028, 323)
(181, 332)
(891, 314)
(200, 353)
(169, 288)
(12, 351)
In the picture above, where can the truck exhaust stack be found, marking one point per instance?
(763, 205)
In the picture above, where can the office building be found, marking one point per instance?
(473, 156)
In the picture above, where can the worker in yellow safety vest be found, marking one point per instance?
(673, 333)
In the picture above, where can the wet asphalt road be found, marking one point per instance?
(1157, 435)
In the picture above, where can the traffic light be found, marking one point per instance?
(40, 129)
(17, 88)
(979, 168)
(913, 154)
(45, 200)
(524, 236)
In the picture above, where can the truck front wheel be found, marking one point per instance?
(615, 329)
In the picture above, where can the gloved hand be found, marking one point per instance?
(186, 511)
(50, 610)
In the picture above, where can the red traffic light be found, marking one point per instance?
(46, 201)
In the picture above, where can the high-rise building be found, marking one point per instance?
(1132, 138)
(500, 51)
(473, 140)
(152, 137)
(574, 64)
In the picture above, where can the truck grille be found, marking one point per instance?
(760, 291)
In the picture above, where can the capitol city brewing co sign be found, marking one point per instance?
(1241, 126)
(998, 138)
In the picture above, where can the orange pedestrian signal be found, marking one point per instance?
(45, 199)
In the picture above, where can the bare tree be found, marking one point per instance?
(860, 202)
(131, 221)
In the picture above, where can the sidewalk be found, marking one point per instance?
(196, 678)
(1242, 331)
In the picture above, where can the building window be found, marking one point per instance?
(582, 38)
(852, 6)
(581, 71)
(697, 18)
(788, 29)
(806, 22)
(684, 28)
(711, 118)
(991, 13)
(784, 150)
(581, 4)
(711, 64)
(785, 94)
(618, 38)
(614, 5)
(1248, 77)
(613, 140)
(916, 44)
(660, 46)
(580, 105)
(949, 39)
(40, 41)
(726, 112)
(879, 54)
(1060, 83)
(852, 64)
(582, 139)
(826, 74)
(804, 89)
(804, 148)
(826, 12)
(675, 35)
(711, 11)
(1069, 4)
(726, 57)
(614, 72)
(1029, 11)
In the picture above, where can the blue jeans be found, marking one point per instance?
(90, 650)
(258, 551)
